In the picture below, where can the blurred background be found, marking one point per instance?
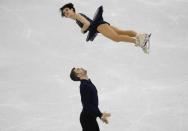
(38, 48)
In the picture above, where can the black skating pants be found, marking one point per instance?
(88, 122)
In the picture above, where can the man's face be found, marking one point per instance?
(80, 72)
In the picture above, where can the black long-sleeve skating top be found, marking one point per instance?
(89, 98)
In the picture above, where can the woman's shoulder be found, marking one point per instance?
(85, 16)
(82, 14)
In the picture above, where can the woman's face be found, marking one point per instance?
(68, 12)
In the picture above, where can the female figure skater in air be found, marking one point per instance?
(98, 25)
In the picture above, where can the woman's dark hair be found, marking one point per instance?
(69, 5)
(74, 76)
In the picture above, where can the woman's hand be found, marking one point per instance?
(82, 30)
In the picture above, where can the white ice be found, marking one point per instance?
(143, 92)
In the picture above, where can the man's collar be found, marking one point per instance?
(85, 80)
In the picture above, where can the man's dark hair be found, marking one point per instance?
(69, 5)
(74, 76)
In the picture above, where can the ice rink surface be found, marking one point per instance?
(142, 92)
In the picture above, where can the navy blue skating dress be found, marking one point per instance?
(97, 20)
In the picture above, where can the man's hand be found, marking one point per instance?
(105, 114)
(104, 117)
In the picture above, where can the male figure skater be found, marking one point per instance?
(89, 100)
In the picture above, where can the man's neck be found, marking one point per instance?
(85, 78)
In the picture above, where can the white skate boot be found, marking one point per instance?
(146, 47)
(142, 41)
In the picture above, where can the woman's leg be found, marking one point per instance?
(130, 33)
(110, 33)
